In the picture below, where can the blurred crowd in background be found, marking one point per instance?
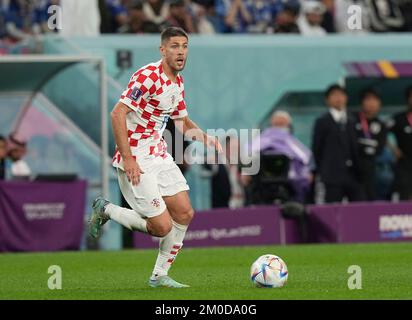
(20, 19)
(355, 156)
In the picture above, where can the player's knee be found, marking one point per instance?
(161, 230)
(165, 229)
(187, 215)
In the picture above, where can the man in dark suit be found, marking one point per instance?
(401, 127)
(371, 134)
(335, 149)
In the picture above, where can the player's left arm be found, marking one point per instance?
(191, 130)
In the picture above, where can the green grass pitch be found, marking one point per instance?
(315, 272)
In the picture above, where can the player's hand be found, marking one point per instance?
(213, 142)
(132, 170)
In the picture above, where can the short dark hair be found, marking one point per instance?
(173, 32)
(368, 92)
(408, 92)
(334, 87)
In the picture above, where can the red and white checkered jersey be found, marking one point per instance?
(154, 98)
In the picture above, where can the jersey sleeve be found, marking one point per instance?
(139, 89)
(180, 111)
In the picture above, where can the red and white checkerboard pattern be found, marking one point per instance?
(154, 98)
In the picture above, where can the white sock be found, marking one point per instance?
(169, 247)
(126, 217)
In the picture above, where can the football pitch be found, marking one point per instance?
(315, 272)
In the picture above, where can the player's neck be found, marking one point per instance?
(171, 74)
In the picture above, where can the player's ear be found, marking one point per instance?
(162, 50)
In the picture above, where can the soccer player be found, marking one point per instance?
(149, 179)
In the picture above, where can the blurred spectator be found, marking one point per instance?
(406, 9)
(3, 155)
(328, 21)
(311, 17)
(335, 150)
(205, 14)
(42, 16)
(156, 11)
(226, 186)
(138, 22)
(285, 19)
(179, 16)
(2, 21)
(80, 18)
(385, 15)
(114, 16)
(16, 151)
(261, 15)
(401, 126)
(371, 134)
(21, 19)
(234, 16)
(279, 139)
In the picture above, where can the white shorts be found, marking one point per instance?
(161, 178)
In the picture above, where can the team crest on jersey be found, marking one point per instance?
(135, 94)
(156, 202)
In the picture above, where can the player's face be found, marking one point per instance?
(174, 52)
(337, 99)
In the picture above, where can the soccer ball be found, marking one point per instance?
(269, 271)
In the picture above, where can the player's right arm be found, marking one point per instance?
(130, 165)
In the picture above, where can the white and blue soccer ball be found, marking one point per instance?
(269, 271)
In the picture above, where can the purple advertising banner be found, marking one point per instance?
(323, 223)
(360, 222)
(225, 227)
(41, 216)
(375, 222)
